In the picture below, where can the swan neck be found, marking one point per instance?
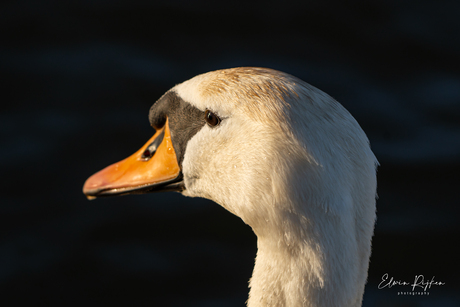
(282, 276)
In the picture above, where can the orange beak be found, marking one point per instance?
(153, 168)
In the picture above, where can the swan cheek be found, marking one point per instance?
(192, 187)
(194, 170)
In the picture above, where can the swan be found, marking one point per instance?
(282, 155)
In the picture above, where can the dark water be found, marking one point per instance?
(78, 78)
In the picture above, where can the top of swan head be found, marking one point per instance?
(282, 145)
(261, 94)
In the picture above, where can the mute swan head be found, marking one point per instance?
(282, 155)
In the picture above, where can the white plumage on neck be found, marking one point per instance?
(295, 166)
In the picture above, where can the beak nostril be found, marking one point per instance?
(147, 154)
(152, 148)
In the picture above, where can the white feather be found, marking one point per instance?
(294, 165)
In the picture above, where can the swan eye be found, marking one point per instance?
(211, 118)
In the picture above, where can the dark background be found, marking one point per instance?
(78, 78)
